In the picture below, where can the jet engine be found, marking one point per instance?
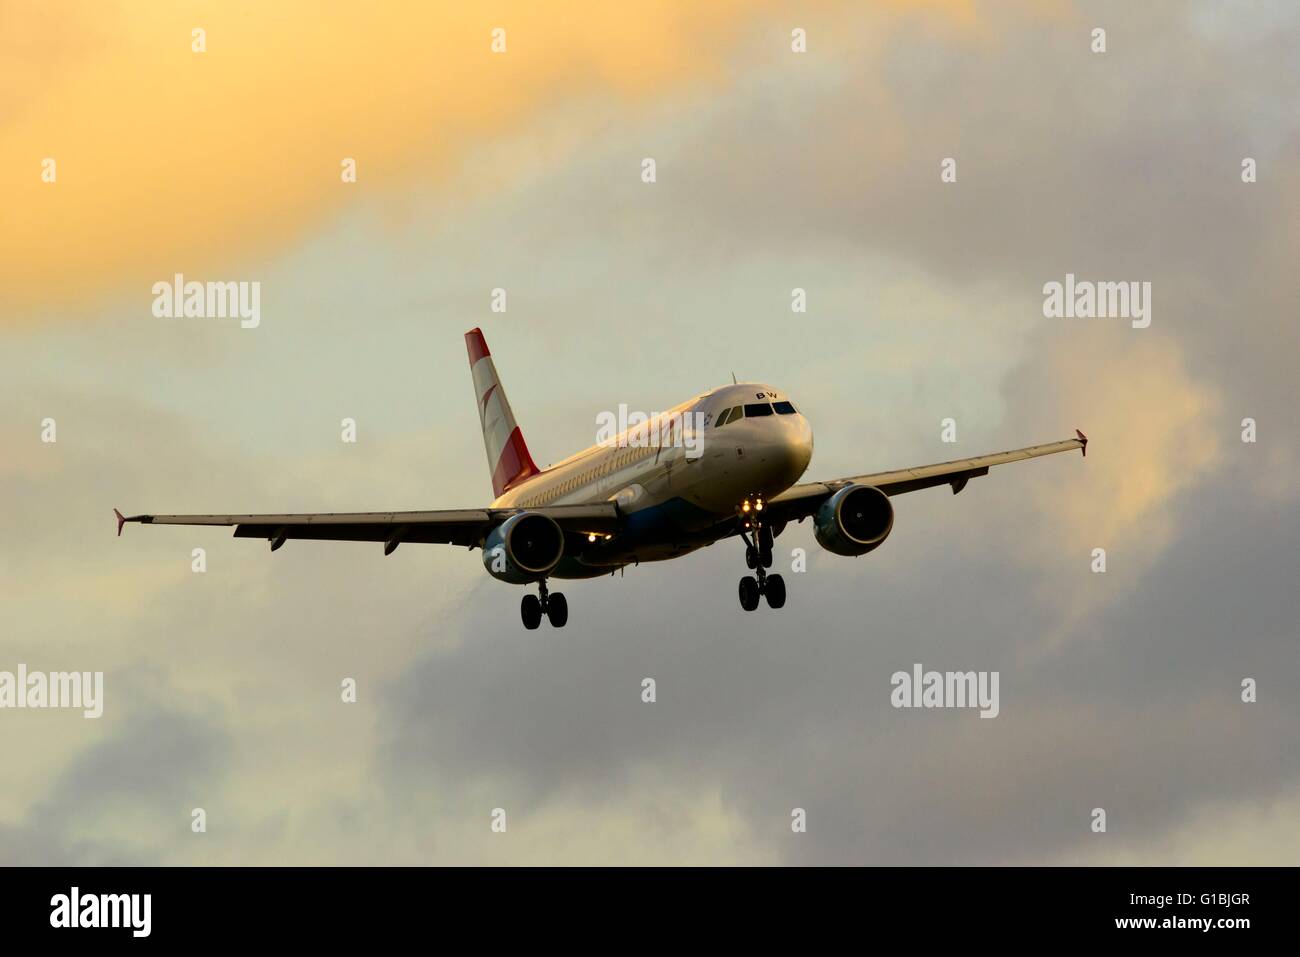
(853, 521)
(524, 548)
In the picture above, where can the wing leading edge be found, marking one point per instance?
(466, 527)
(799, 501)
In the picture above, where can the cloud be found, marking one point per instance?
(174, 161)
(774, 173)
(1246, 833)
(127, 799)
(1156, 433)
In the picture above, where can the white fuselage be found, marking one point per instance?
(701, 478)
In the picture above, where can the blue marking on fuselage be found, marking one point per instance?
(671, 521)
(675, 522)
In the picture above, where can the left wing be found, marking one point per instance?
(799, 501)
(466, 527)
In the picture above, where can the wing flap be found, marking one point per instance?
(441, 533)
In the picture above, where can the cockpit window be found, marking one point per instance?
(758, 408)
(722, 419)
(783, 408)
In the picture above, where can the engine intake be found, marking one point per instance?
(855, 520)
(524, 548)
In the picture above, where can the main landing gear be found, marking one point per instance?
(555, 607)
(758, 556)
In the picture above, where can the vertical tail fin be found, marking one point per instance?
(507, 453)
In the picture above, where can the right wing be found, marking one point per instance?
(800, 501)
(468, 527)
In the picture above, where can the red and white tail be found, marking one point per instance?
(507, 452)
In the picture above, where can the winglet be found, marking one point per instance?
(121, 520)
(1084, 439)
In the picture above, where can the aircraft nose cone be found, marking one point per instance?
(801, 447)
(788, 456)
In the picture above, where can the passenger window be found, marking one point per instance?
(783, 408)
(758, 408)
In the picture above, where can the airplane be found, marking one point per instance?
(640, 495)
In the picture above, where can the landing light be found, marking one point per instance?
(591, 537)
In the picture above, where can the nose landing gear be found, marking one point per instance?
(758, 556)
(533, 607)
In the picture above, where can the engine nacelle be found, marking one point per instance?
(524, 548)
(854, 520)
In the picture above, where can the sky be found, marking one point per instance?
(774, 170)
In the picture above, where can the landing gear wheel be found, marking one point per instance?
(557, 610)
(758, 556)
(530, 610)
(774, 589)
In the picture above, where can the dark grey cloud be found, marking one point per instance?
(791, 709)
(151, 770)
